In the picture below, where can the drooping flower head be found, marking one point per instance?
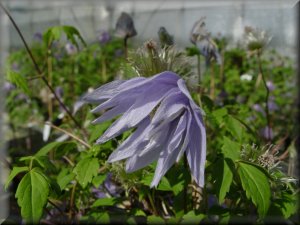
(256, 39)
(201, 38)
(166, 120)
(165, 38)
(125, 26)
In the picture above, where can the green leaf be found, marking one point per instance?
(15, 171)
(138, 212)
(98, 130)
(191, 217)
(98, 180)
(164, 185)
(18, 80)
(219, 114)
(223, 176)
(230, 149)
(192, 51)
(104, 202)
(286, 205)
(234, 127)
(32, 194)
(53, 146)
(64, 178)
(55, 33)
(256, 185)
(85, 170)
(155, 220)
(45, 163)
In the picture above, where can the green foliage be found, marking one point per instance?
(223, 176)
(231, 149)
(32, 194)
(85, 170)
(55, 33)
(17, 79)
(256, 185)
(15, 171)
(193, 218)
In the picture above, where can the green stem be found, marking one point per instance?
(126, 48)
(267, 95)
(30, 164)
(72, 200)
(199, 68)
(212, 82)
(151, 199)
(103, 69)
(199, 79)
(185, 202)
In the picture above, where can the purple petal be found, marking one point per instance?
(169, 155)
(171, 107)
(137, 112)
(131, 144)
(150, 152)
(104, 92)
(196, 152)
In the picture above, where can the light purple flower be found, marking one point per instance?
(125, 26)
(59, 92)
(107, 188)
(71, 49)
(167, 121)
(267, 133)
(272, 105)
(258, 108)
(8, 87)
(38, 37)
(104, 37)
(119, 52)
(270, 85)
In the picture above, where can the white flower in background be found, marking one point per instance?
(256, 39)
(246, 77)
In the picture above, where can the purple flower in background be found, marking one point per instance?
(270, 85)
(8, 87)
(125, 26)
(71, 49)
(104, 37)
(15, 66)
(167, 121)
(107, 188)
(22, 97)
(58, 55)
(258, 108)
(59, 91)
(38, 37)
(272, 105)
(267, 133)
(119, 52)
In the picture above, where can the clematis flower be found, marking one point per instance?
(201, 38)
(125, 26)
(166, 120)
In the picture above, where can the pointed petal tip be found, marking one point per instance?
(100, 140)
